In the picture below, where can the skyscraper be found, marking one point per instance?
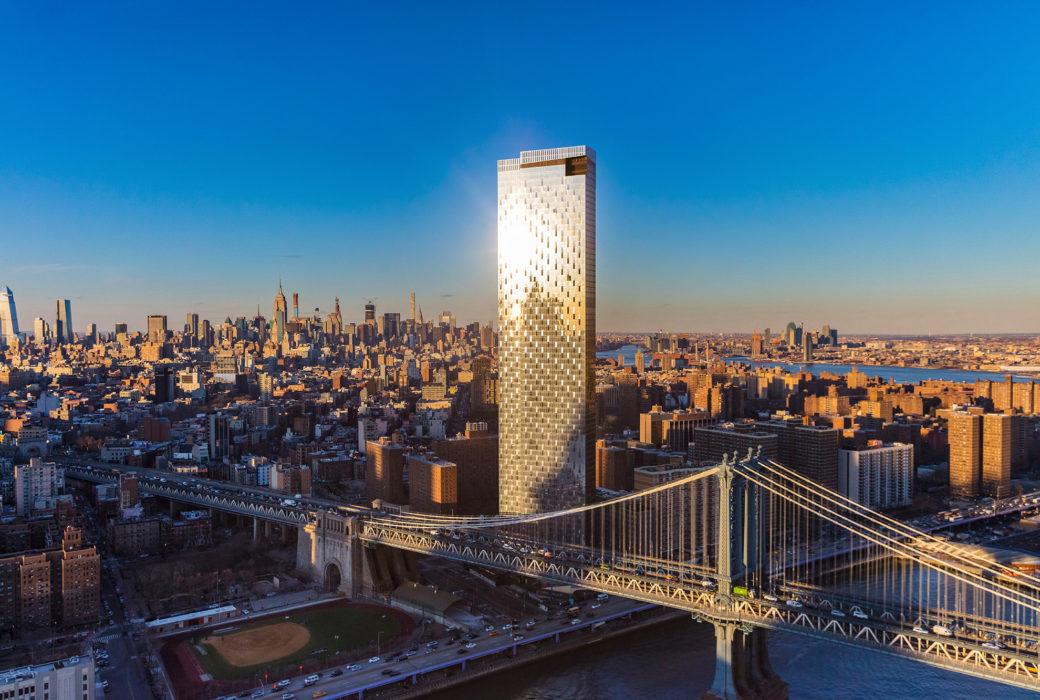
(157, 328)
(997, 429)
(63, 328)
(965, 454)
(547, 329)
(8, 317)
(279, 315)
(789, 334)
(756, 344)
(411, 306)
(41, 332)
(193, 325)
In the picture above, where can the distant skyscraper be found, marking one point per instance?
(193, 325)
(279, 315)
(807, 346)
(63, 327)
(41, 332)
(391, 325)
(157, 328)
(8, 317)
(334, 322)
(370, 313)
(411, 306)
(789, 334)
(756, 344)
(547, 329)
(295, 305)
(91, 333)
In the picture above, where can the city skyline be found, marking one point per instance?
(347, 366)
(444, 307)
(830, 174)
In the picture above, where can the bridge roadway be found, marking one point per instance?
(267, 504)
(199, 491)
(887, 629)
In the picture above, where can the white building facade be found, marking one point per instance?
(880, 476)
(37, 484)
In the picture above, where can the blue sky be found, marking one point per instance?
(876, 167)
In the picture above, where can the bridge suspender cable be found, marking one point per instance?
(890, 543)
(885, 521)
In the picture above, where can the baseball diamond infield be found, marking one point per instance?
(259, 645)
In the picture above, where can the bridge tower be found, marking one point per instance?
(742, 668)
(329, 550)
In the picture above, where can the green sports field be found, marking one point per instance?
(346, 630)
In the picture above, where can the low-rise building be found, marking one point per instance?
(68, 679)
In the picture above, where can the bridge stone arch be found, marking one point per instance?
(330, 541)
(333, 575)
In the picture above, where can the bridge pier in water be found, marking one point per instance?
(742, 668)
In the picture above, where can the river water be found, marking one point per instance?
(902, 375)
(677, 660)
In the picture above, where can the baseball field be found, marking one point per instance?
(280, 645)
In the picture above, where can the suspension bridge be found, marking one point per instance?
(750, 546)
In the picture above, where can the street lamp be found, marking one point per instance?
(379, 640)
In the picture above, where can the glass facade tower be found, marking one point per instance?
(63, 325)
(8, 317)
(547, 329)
